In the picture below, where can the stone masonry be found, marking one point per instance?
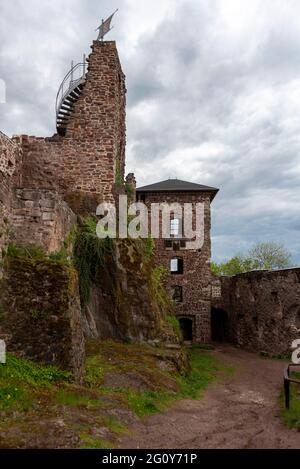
(88, 158)
(195, 280)
(263, 309)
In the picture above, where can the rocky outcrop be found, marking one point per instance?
(40, 313)
(126, 301)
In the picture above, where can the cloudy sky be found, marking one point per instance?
(213, 97)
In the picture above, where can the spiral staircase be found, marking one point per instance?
(68, 94)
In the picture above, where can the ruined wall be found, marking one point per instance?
(40, 313)
(10, 160)
(40, 217)
(196, 278)
(88, 158)
(263, 309)
(125, 303)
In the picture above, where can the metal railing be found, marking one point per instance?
(287, 379)
(74, 78)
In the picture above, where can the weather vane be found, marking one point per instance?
(104, 28)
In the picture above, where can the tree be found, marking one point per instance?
(270, 256)
(237, 265)
(263, 256)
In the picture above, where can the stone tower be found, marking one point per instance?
(88, 152)
(189, 280)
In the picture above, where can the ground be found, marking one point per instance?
(143, 396)
(240, 411)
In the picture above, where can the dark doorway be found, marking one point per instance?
(186, 325)
(219, 325)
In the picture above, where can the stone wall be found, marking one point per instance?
(40, 313)
(40, 217)
(196, 278)
(263, 309)
(10, 160)
(88, 158)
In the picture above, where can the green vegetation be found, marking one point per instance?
(89, 255)
(291, 416)
(169, 386)
(173, 321)
(30, 252)
(120, 378)
(262, 256)
(157, 288)
(20, 379)
(118, 176)
(149, 247)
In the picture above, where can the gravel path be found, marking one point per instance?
(241, 412)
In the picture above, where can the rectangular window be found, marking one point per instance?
(175, 228)
(168, 244)
(176, 292)
(176, 266)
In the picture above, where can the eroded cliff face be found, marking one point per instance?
(40, 316)
(127, 300)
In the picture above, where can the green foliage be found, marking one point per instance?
(59, 256)
(291, 416)
(149, 247)
(263, 256)
(38, 314)
(30, 252)
(129, 191)
(89, 254)
(236, 265)
(270, 256)
(30, 373)
(118, 176)
(157, 288)
(19, 378)
(173, 321)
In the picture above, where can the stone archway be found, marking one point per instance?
(219, 325)
(186, 326)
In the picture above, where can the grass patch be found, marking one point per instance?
(20, 381)
(291, 416)
(90, 442)
(76, 399)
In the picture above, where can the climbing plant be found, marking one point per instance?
(89, 255)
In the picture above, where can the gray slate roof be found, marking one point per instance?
(176, 185)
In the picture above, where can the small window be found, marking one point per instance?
(182, 244)
(176, 266)
(168, 244)
(176, 291)
(175, 228)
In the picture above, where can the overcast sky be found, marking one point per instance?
(213, 97)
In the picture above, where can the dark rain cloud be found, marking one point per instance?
(213, 97)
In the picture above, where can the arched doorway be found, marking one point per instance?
(186, 326)
(219, 325)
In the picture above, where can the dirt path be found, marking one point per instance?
(241, 412)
